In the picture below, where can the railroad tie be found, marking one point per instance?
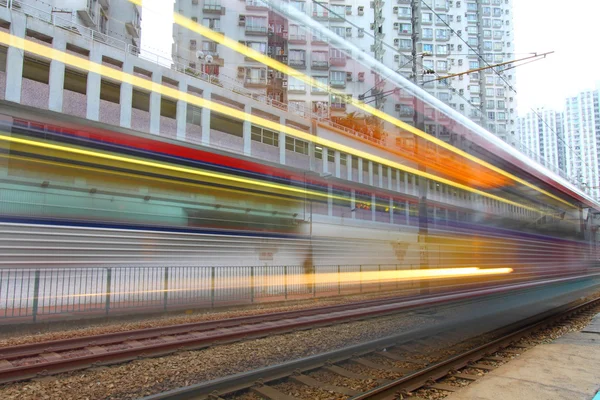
(272, 393)
(467, 377)
(370, 364)
(310, 381)
(350, 374)
(4, 364)
(493, 358)
(482, 366)
(397, 357)
(443, 386)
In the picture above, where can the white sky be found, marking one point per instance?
(568, 28)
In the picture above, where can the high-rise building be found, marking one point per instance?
(409, 36)
(582, 133)
(541, 137)
(117, 19)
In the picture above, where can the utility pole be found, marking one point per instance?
(378, 48)
(419, 123)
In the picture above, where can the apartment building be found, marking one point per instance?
(582, 134)
(447, 37)
(117, 19)
(541, 137)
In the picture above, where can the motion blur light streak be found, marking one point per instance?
(346, 277)
(112, 73)
(238, 47)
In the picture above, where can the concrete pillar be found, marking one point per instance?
(391, 210)
(325, 156)
(398, 181)
(349, 166)
(247, 132)
(360, 170)
(329, 200)
(407, 212)
(205, 118)
(93, 86)
(370, 173)
(155, 105)
(14, 61)
(373, 204)
(389, 182)
(380, 175)
(282, 137)
(181, 115)
(126, 96)
(353, 203)
(57, 76)
(338, 164)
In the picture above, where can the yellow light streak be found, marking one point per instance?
(146, 84)
(268, 61)
(325, 278)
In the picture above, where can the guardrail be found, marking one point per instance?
(28, 294)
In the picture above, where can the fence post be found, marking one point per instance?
(212, 286)
(108, 281)
(36, 294)
(252, 284)
(285, 281)
(166, 289)
(314, 281)
(339, 281)
(360, 275)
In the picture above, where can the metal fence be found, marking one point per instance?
(32, 293)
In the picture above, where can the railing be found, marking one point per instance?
(34, 294)
(352, 132)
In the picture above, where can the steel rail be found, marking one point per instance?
(247, 380)
(28, 361)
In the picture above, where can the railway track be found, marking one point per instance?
(404, 358)
(49, 358)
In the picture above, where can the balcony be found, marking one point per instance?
(337, 61)
(297, 39)
(320, 64)
(338, 106)
(260, 83)
(298, 64)
(256, 30)
(213, 9)
(338, 84)
(322, 16)
(88, 14)
(256, 5)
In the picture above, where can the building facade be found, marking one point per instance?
(117, 19)
(541, 137)
(582, 134)
(446, 37)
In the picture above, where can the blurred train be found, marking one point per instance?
(84, 196)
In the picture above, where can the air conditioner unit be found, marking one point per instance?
(284, 83)
(242, 20)
(361, 76)
(348, 76)
(241, 71)
(395, 9)
(396, 25)
(398, 107)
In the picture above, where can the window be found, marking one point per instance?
(473, 64)
(497, 24)
(489, 80)
(337, 78)
(295, 84)
(299, 5)
(491, 115)
(442, 65)
(261, 47)
(500, 92)
(212, 23)
(490, 104)
(473, 42)
(256, 75)
(428, 64)
(296, 107)
(487, 34)
(444, 96)
(472, 17)
(296, 33)
(320, 59)
(323, 84)
(339, 30)
(209, 48)
(501, 116)
(337, 10)
(487, 45)
(498, 35)
(501, 104)
(427, 33)
(426, 18)
(297, 58)
(193, 45)
(406, 44)
(442, 50)
(498, 46)
(405, 12)
(256, 24)
(427, 48)
(318, 36)
(296, 145)
(442, 34)
(487, 23)
(497, 12)
(472, 7)
(489, 92)
(472, 30)
(319, 11)
(265, 136)
(405, 28)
